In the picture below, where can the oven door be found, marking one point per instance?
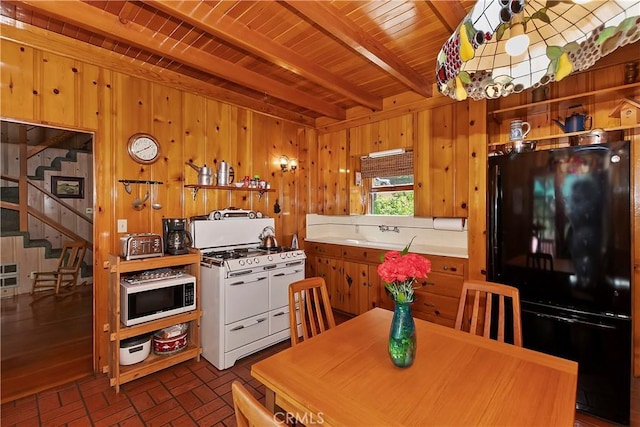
(281, 278)
(246, 296)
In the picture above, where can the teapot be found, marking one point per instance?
(268, 238)
(576, 122)
(225, 174)
(205, 174)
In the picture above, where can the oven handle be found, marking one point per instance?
(287, 274)
(240, 273)
(282, 313)
(242, 282)
(239, 327)
(291, 264)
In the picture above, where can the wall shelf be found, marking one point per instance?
(542, 106)
(195, 188)
(569, 134)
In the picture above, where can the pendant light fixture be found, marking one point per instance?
(507, 46)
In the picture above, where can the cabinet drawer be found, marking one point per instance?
(279, 320)
(246, 331)
(447, 265)
(437, 306)
(326, 249)
(441, 284)
(367, 255)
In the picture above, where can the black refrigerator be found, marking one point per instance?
(559, 229)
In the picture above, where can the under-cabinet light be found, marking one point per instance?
(386, 153)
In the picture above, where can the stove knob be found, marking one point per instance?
(241, 262)
(294, 254)
(288, 254)
(270, 258)
(249, 262)
(282, 255)
(256, 260)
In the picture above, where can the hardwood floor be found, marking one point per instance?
(192, 393)
(45, 342)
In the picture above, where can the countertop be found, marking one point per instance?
(448, 251)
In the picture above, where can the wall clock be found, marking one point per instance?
(143, 148)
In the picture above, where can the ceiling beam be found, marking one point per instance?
(92, 18)
(330, 21)
(203, 16)
(49, 41)
(450, 13)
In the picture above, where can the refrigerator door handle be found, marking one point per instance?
(569, 320)
(493, 214)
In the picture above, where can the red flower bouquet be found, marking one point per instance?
(400, 269)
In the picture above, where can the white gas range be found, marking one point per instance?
(244, 288)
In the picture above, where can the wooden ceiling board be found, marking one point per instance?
(325, 64)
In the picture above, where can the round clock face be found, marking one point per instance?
(144, 148)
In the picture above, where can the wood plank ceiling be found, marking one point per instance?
(300, 60)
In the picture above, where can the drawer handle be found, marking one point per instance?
(237, 328)
(428, 304)
(428, 283)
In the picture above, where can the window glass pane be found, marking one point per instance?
(392, 203)
(386, 181)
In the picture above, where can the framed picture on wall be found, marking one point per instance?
(67, 187)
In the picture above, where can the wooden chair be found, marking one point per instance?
(249, 412)
(487, 290)
(312, 298)
(66, 275)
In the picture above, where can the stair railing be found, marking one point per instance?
(41, 217)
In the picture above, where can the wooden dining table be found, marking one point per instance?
(345, 377)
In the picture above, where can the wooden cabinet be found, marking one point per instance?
(120, 268)
(441, 171)
(396, 132)
(355, 287)
(437, 296)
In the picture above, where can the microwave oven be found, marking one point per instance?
(155, 299)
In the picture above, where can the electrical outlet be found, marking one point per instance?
(88, 211)
(122, 226)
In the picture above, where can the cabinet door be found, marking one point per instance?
(353, 283)
(364, 139)
(442, 144)
(396, 132)
(330, 269)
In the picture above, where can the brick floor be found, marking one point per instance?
(189, 394)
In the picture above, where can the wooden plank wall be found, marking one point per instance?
(45, 88)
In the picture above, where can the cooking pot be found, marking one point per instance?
(576, 122)
(268, 238)
(597, 136)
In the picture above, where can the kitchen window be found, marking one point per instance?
(388, 184)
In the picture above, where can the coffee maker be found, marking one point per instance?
(177, 239)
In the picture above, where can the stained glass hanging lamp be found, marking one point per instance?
(507, 46)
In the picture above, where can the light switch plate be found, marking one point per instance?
(122, 226)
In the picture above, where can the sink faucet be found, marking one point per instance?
(384, 228)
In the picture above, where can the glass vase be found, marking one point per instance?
(402, 336)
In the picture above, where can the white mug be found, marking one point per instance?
(517, 132)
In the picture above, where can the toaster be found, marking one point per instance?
(141, 245)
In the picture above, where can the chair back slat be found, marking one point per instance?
(309, 300)
(479, 289)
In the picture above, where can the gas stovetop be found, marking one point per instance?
(252, 258)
